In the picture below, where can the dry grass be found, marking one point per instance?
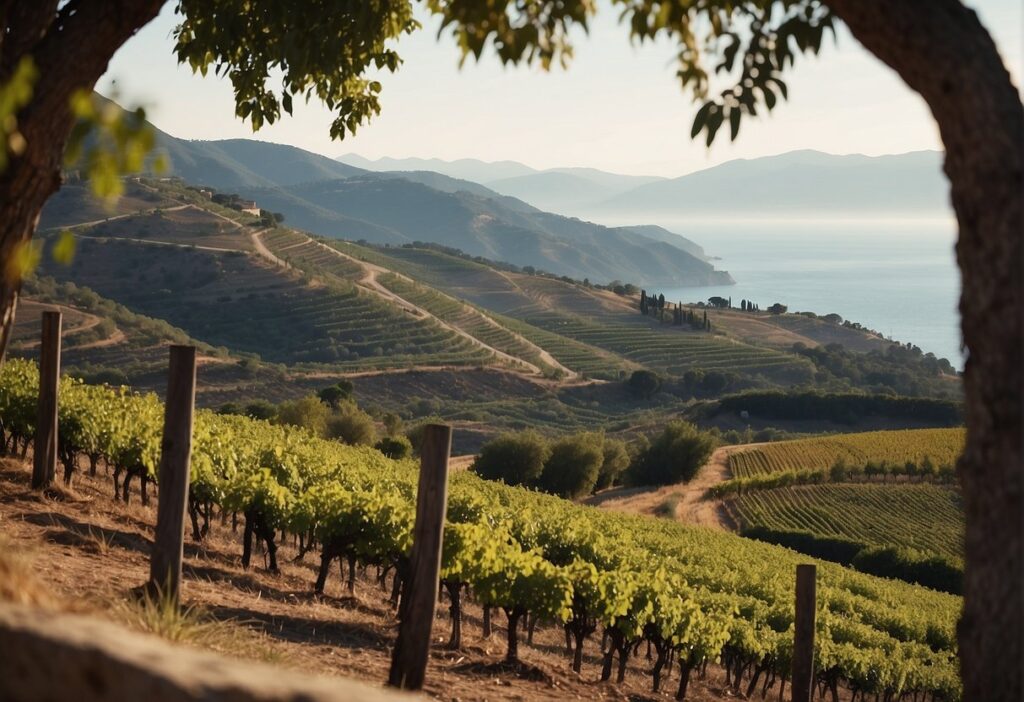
(18, 583)
(160, 615)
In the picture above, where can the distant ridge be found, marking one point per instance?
(562, 190)
(794, 182)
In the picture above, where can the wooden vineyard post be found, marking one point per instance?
(44, 459)
(173, 476)
(419, 597)
(803, 643)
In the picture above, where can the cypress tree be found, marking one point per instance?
(643, 302)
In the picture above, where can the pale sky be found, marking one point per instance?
(617, 107)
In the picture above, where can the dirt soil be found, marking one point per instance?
(690, 506)
(89, 551)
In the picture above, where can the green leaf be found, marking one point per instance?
(735, 114)
(63, 250)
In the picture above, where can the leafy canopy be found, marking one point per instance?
(329, 51)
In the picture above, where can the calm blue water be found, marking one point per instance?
(897, 277)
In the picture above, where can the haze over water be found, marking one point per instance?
(898, 277)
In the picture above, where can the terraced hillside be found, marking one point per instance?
(285, 314)
(246, 304)
(940, 446)
(591, 331)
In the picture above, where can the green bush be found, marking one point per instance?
(614, 463)
(396, 447)
(572, 468)
(517, 459)
(351, 425)
(674, 456)
(308, 412)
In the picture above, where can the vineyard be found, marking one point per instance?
(235, 300)
(926, 518)
(667, 350)
(466, 318)
(896, 448)
(697, 596)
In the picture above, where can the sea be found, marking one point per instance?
(896, 276)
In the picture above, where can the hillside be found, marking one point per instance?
(334, 199)
(421, 331)
(400, 211)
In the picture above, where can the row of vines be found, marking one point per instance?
(938, 447)
(694, 595)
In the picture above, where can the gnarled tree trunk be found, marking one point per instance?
(70, 49)
(942, 51)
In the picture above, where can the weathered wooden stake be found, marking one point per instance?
(416, 614)
(803, 643)
(44, 460)
(173, 476)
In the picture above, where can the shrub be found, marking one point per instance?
(644, 383)
(308, 412)
(674, 456)
(396, 447)
(335, 394)
(614, 463)
(261, 409)
(572, 467)
(516, 458)
(351, 425)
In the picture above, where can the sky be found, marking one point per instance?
(618, 107)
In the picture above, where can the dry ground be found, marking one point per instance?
(87, 552)
(684, 501)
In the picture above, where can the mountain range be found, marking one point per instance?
(331, 198)
(507, 211)
(793, 183)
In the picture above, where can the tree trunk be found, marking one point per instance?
(577, 654)
(684, 677)
(659, 663)
(351, 585)
(514, 615)
(247, 540)
(455, 611)
(326, 556)
(487, 622)
(941, 50)
(70, 49)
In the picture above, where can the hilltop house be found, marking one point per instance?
(249, 207)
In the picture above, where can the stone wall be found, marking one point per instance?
(53, 657)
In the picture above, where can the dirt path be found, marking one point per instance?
(90, 321)
(116, 338)
(120, 216)
(262, 250)
(690, 505)
(155, 242)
